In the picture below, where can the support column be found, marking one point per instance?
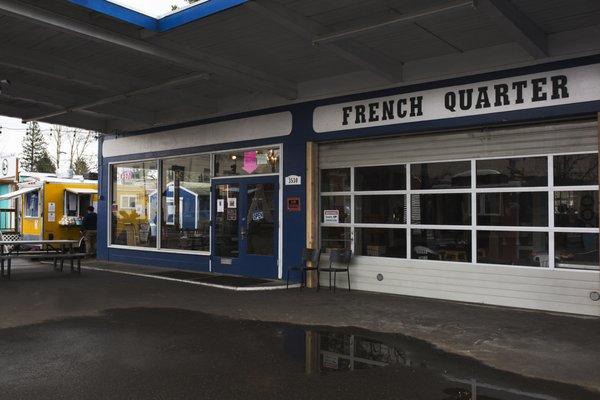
(598, 128)
(312, 203)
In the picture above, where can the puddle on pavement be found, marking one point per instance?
(165, 353)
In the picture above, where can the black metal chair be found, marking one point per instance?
(342, 258)
(308, 255)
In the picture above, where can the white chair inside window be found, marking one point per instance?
(542, 260)
(424, 252)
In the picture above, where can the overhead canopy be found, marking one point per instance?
(80, 64)
(81, 190)
(18, 193)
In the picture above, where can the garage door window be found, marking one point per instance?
(539, 211)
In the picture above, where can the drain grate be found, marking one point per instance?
(182, 275)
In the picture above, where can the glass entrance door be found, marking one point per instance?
(246, 226)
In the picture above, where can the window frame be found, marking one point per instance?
(159, 161)
(473, 190)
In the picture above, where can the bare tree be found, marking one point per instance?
(79, 142)
(57, 135)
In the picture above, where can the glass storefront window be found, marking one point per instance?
(441, 175)
(133, 185)
(185, 201)
(576, 169)
(576, 209)
(576, 250)
(512, 209)
(335, 180)
(339, 203)
(444, 245)
(512, 172)
(380, 242)
(335, 238)
(389, 177)
(227, 226)
(380, 209)
(261, 218)
(513, 248)
(32, 204)
(247, 162)
(441, 209)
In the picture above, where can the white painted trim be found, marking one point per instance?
(230, 131)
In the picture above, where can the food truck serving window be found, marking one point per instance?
(77, 200)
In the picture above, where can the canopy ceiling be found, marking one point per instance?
(71, 65)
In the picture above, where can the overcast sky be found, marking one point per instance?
(154, 8)
(13, 132)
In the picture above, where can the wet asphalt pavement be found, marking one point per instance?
(154, 353)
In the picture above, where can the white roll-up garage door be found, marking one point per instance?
(482, 143)
(539, 286)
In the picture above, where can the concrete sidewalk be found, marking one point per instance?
(562, 348)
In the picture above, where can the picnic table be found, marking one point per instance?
(44, 249)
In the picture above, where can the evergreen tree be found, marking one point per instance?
(33, 147)
(80, 166)
(44, 163)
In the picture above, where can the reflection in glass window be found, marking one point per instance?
(185, 199)
(576, 169)
(447, 245)
(339, 203)
(134, 226)
(335, 180)
(335, 238)
(512, 172)
(247, 162)
(576, 209)
(576, 250)
(32, 206)
(226, 224)
(390, 177)
(513, 248)
(512, 209)
(441, 209)
(261, 219)
(380, 242)
(380, 209)
(442, 175)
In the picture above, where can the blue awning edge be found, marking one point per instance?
(171, 21)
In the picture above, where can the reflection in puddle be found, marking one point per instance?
(331, 352)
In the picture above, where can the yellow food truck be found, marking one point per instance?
(51, 207)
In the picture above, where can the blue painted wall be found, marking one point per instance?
(294, 154)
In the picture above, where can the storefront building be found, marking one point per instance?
(480, 189)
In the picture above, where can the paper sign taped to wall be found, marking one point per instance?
(51, 216)
(231, 214)
(51, 208)
(232, 202)
(220, 205)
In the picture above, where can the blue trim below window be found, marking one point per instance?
(164, 24)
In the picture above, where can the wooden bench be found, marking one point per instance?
(38, 255)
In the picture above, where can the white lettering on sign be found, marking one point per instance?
(331, 216)
(565, 86)
(293, 180)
